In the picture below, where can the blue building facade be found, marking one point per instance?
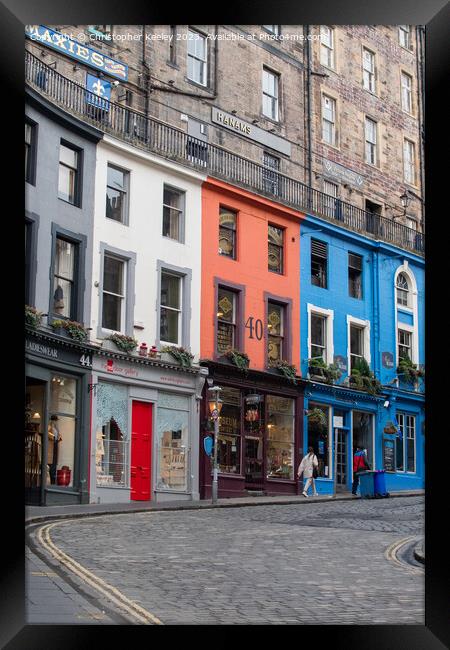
(362, 308)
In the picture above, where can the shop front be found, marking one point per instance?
(56, 419)
(336, 422)
(144, 443)
(259, 433)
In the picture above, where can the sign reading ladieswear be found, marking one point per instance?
(250, 131)
(66, 45)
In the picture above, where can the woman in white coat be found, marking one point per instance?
(309, 462)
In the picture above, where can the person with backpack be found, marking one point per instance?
(309, 468)
(360, 464)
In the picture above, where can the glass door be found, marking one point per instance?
(254, 441)
(341, 459)
(35, 425)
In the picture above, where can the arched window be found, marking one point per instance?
(403, 290)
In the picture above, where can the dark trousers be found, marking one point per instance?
(355, 483)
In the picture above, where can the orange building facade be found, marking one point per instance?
(250, 316)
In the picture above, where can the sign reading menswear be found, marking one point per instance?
(250, 131)
(341, 173)
(66, 45)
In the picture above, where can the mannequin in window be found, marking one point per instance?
(58, 300)
(54, 438)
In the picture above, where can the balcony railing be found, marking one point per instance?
(174, 144)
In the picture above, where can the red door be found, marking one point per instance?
(141, 450)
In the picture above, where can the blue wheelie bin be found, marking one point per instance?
(380, 484)
(367, 484)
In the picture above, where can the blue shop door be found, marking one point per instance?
(342, 467)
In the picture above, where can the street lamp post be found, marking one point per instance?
(215, 406)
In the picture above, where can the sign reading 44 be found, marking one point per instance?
(85, 360)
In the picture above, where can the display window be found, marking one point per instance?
(229, 442)
(280, 437)
(363, 433)
(112, 452)
(319, 438)
(172, 442)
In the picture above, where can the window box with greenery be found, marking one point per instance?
(179, 354)
(286, 369)
(70, 328)
(318, 418)
(123, 342)
(318, 368)
(362, 378)
(237, 358)
(408, 371)
(33, 317)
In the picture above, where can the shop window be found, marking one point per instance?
(34, 421)
(112, 436)
(280, 425)
(406, 443)
(69, 177)
(61, 431)
(226, 319)
(319, 263)
(276, 247)
(319, 439)
(227, 232)
(275, 330)
(355, 275)
(229, 443)
(173, 213)
(173, 442)
(363, 433)
(117, 194)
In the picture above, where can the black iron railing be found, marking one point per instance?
(172, 143)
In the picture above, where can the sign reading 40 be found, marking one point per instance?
(255, 327)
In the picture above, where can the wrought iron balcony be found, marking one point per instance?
(172, 143)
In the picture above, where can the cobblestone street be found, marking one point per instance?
(311, 563)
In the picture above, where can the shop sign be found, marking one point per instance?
(338, 421)
(388, 455)
(44, 350)
(208, 445)
(387, 359)
(58, 354)
(250, 131)
(66, 45)
(112, 367)
(342, 174)
(340, 362)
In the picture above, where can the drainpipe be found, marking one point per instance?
(307, 33)
(420, 43)
(147, 70)
(376, 317)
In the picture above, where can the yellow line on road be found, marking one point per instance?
(391, 554)
(116, 596)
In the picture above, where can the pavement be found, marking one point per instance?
(53, 599)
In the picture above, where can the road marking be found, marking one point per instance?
(393, 549)
(124, 603)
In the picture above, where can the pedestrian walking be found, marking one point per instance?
(308, 467)
(360, 464)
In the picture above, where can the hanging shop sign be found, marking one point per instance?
(66, 45)
(98, 92)
(388, 455)
(387, 359)
(250, 131)
(340, 362)
(342, 174)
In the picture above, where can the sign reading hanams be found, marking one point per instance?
(66, 45)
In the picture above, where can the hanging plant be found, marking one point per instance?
(124, 343)
(240, 359)
(286, 369)
(390, 427)
(317, 416)
(33, 317)
(409, 371)
(182, 355)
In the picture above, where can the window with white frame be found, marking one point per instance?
(328, 119)
(404, 36)
(406, 92)
(327, 46)
(318, 336)
(406, 443)
(173, 213)
(197, 57)
(272, 29)
(403, 290)
(356, 345)
(113, 305)
(270, 94)
(368, 70)
(170, 311)
(117, 194)
(69, 174)
(404, 344)
(370, 132)
(64, 278)
(408, 162)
